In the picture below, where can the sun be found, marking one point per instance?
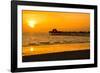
(31, 23)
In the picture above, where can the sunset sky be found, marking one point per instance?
(42, 21)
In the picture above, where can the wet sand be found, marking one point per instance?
(68, 55)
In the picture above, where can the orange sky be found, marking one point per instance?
(45, 21)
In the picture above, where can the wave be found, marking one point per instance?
(53, 43)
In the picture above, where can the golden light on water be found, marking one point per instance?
(36, 50)
(31, 49)
(31, 23)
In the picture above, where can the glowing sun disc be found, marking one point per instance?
(31, 23)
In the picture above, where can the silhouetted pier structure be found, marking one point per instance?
(56, 32)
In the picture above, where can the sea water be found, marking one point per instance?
(45, 43)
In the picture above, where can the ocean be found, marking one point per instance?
(35, 44)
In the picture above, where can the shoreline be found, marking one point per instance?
(53, 43)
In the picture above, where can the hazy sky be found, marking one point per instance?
(42, 21)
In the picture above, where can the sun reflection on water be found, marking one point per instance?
(32, 49)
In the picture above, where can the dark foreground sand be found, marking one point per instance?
(69, 55)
